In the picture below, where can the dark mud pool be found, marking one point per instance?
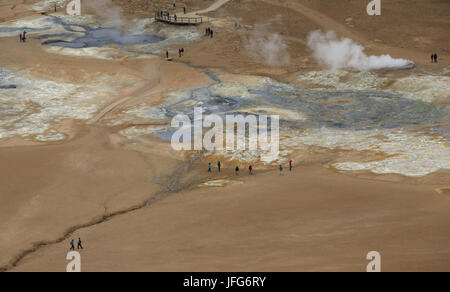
(358, 110)
(103, 37)
(79, 36)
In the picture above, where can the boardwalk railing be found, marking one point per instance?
(166, 17)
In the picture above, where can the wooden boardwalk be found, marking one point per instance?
(178, 20)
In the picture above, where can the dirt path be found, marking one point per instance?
(142, 89)
(214, 7)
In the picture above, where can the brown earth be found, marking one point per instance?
(312, 219)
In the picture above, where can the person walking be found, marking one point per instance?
(290, 165)
(72, 245)
(250, 170)
(184, 9)
(281, 169)
(237, 170)
(182, 52)
(219, 166)
(179, 53)
(20, 38)
(209, 167)
(212, 33)
(167, 55)
(79, 246)
(24, 36)
(432, 58)
(435, 58)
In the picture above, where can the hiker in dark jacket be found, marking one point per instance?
(80, 246)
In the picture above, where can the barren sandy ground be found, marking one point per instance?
(96, 184)
(310, 220)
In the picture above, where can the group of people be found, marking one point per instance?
(166, 15)
(180, 53)
(23, 36)
(291, 166)
(79, 245)
(163, 14)
(219, 166)
(434, 58)
(250, 168)
(209, 32)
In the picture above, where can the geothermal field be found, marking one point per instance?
(356, 113)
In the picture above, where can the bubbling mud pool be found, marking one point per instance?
(70, 33)
(360, 120)
(94, 36)
(100, 37)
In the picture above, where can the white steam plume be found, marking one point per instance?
(342, 53)
(108, 13)
(267, 48)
